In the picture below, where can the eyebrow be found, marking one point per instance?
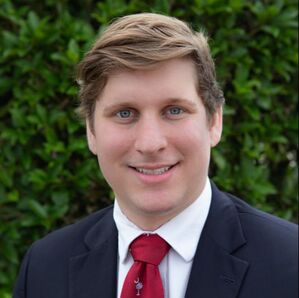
(179, 100)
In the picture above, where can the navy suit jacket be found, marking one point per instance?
(242, 253)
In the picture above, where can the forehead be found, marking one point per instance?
(172, 78)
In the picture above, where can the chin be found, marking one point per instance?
(158, 209)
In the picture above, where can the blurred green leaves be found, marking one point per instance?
(47, 176)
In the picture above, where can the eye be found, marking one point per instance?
(124, 114)
(174, 112)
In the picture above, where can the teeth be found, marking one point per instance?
(153, 171)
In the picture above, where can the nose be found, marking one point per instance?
(150, 136)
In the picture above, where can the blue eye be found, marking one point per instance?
(175, 111)
(124, 114)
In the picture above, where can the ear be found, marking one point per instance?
(216, 127)
(91, 138)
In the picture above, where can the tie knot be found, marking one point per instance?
(149, 248)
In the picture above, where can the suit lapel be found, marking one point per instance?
(93, 274)
(216, 272)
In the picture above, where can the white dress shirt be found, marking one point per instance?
(181, 232)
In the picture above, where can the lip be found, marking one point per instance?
(161, 175)
(152, 166)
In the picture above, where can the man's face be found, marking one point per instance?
(152, 139)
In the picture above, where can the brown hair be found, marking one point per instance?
(139, 42)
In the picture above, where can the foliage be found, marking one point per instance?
(47, 176)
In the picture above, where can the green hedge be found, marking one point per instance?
(47, 176)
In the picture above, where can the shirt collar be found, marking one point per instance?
(181, 232)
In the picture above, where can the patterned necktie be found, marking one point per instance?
(143, 279)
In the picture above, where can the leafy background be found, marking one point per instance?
(47, 176)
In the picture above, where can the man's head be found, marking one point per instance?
(153, 112)
(138, 42)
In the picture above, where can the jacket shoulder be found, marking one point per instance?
(261, 219)
(49, 257)
(269, 239)
(73, 235)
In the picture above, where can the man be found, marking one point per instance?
(153, 112)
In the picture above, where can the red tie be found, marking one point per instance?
(143, 279)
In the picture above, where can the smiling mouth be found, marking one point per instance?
(157, 171)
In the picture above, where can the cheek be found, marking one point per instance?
(111, 143)
(194, 137)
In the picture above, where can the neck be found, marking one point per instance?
(149, 224)
(151, 221)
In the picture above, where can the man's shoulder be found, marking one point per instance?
(83, 224)
(71, 238)
(269, 246)
(247, 212)
(263, 230)
(51, 257)
(256, 217)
